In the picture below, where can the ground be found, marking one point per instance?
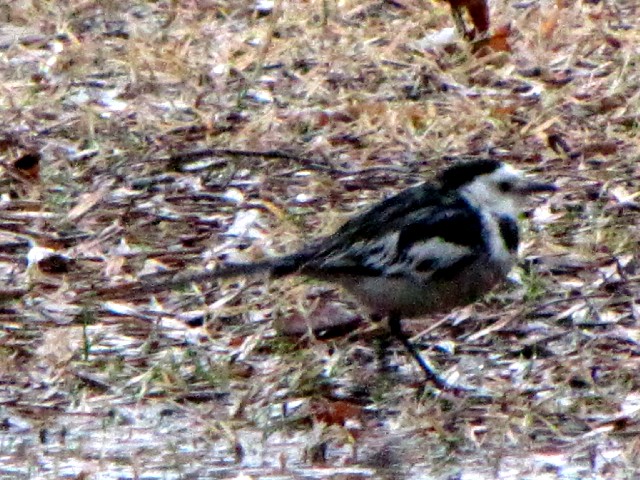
(142, 136)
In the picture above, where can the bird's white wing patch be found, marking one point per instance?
(427, 257)
(443, 252)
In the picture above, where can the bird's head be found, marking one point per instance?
(493, 185)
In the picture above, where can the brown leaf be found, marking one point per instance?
(549, 23)
(334, 413)
(557, 79)
(236, 341)
(326, 320)
(498, 42)
(8, 294)
(613, 41)
(29, 165)
(55, 264)
(505, 110)
(611, 102)
(600, 148)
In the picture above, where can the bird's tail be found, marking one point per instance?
(276, 267)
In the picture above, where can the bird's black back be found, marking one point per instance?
(384, 216)
(432, 209)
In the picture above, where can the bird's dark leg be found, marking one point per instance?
(395, 327)
(382, 343)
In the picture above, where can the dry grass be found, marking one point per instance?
(113, 98)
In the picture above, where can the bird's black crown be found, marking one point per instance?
(461, 174)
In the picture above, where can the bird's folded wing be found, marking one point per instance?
(381, 217)
(428, 242)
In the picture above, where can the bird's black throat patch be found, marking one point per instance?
(509, 232)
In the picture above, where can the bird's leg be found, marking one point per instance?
(382, 343)
(395, 327)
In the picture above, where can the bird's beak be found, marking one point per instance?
(537, 187)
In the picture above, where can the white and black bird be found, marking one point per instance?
(427, 249)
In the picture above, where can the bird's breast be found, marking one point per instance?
(412, 296)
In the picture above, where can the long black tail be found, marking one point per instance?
(276, 267)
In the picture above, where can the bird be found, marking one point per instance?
(428, 249)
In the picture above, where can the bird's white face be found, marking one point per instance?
(503, 191)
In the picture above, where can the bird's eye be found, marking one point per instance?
(505, 186)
